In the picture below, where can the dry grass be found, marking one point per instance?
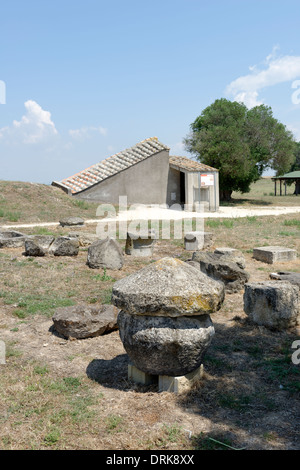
(33, 202)
(62, 394)
(262, 194)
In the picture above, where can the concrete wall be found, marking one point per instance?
(173, 188)
(209, 195)
(145, 183)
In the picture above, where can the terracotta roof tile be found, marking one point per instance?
(187, 164)
(112, 165)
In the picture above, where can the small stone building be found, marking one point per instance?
(146, 174)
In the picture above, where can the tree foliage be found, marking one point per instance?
(296, 164)
(240, 143)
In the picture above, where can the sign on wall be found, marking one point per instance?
(207, 180)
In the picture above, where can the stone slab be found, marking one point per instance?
(140, 244)
(140, 377)
(292, 277)
(273, 304)
(181, 383)
(273, 254)
(166, 383)
(194, 241)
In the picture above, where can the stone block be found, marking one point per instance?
(85, 239)
(140, 244)
(140, 377)
(105, 254)
(222, 267)
(69, 221)
(12, 239)
(273, 304)
(160, 345)
(293, 278)
(168, 287)
(273, 254)
(194, 241)
(232, 254)
(181, 383)
(64, 246)
(166, 383)
(85, 321)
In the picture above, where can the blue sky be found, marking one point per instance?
(82, 80)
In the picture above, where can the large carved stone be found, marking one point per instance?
(165, 345)
(164, 322)
(168, 287)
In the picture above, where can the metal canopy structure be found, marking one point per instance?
(293, 177)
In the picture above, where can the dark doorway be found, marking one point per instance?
(182, 187)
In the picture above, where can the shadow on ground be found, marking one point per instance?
(250, 387)
(238, 202)
(111, 373)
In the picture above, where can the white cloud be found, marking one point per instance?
(275, 70)
(295, 129)
(177, 149)
(35, 126)
(86, 132)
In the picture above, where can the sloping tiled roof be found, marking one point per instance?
(292, 175)
(112, 165)
(184, 163)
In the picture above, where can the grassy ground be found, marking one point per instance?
(31, 202)
(262, 194)
(62, 394)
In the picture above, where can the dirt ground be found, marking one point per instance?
(248, 397)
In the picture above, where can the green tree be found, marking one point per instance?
(296, 167)
(240, 143)
(296, 164)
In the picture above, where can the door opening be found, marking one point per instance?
(182, 188)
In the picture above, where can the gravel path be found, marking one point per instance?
(157, 213)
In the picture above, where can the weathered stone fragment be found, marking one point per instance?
(164, 345)
(84, 321)
(221, 268)
(64, 246)
(85, 239)
(273, 304)
(12, 239)
(194, 241)
(33, 249)
(168, 287)
(69, 221)
(105, 254)
(232, 255)
(44, 241)
(140, 244)
(293, 278)
(273, 254)
(38, 245)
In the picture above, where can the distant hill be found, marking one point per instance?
(32, 202)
